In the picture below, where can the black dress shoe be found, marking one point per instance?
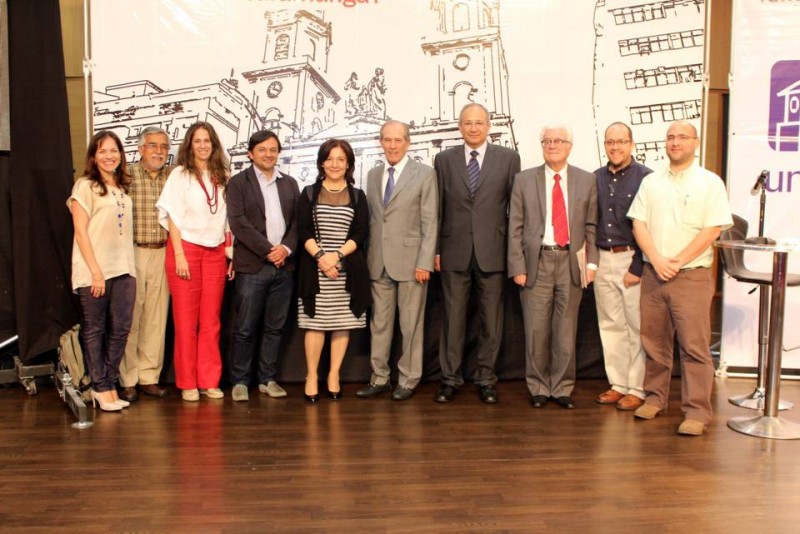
(565, 402)
(489, 395)
(538, 401)
(445, 393)
(373, 389)
(154, 390)
(400, 393)
(129, 394)
(335, 395)
(311, 398)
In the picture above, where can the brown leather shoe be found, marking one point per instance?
(629, 402)
(129, 394)
(609, 397)
(153, 390)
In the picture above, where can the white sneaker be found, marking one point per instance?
(191, 395)
(272, 389)
(212, 393)
(240, 393)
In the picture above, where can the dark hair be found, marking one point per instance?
(325, 151)
(630, 132)
(261, 136)
(121, 177)
(217, 163)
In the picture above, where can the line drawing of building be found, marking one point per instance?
(648, 69)
(293, 93)
(787, 131)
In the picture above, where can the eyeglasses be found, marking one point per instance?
(680, 137)
(556, 142)
(470, 124)
(617, 142)
(157, 146)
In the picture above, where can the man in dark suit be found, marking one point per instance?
(474, 185)
(553, 216)
(402, 202)
(261, 213)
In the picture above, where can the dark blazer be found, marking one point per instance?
(357, 282)
(247, 219)
(527, 220)
(479, 222)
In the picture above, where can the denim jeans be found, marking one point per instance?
(260, 298)
(105, 327)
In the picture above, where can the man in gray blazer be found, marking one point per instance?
(553, 215)
(403, 205)
(474, 185)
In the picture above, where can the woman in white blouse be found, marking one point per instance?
(192, 208)
(103, 268)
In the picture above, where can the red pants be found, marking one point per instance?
(196, 306)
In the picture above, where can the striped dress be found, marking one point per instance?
(333, 301)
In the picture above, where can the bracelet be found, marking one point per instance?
(319, 254)
(339, 253)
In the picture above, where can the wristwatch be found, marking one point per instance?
(339, 253)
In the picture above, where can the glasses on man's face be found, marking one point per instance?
(680, 137)
(611, 143)
(554, 142)
(157, 146)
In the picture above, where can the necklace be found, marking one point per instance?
(120, 207)
(334, 190)
(211, 198)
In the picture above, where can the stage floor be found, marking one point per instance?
(376, 465)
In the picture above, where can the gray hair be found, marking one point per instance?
(406, 128)
(473, 105)
(556, 126)
(150, 130)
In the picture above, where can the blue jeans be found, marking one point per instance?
(261, 298)
(105, 327)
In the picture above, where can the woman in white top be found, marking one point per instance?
(192, 208)
(103, 268)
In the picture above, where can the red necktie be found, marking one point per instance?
(560, 224)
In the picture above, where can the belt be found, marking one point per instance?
(152, 245)
(617, 248)
(555, 247)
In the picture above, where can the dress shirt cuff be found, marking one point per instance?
(637, 264)
(591, 266)
(288, 250)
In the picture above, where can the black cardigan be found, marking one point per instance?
(357, 284)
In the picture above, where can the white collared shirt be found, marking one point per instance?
(549, 181)
(481, 150)
(398, 170)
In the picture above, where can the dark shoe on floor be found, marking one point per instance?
(489, 395)
(373, 389)
(445, 393)
(565, 402)
(401, 393)
(538, 401)
(335, 395)
(129, 394)
(154, 390)
(311, 398)
(609, 397)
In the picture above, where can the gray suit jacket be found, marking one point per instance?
(481, 222)
(402, 236)
(526, 221)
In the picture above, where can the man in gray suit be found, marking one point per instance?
(553, 215)
(474, 185)
(403, 205)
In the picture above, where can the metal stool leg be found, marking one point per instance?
(755, 400)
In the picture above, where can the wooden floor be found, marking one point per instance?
(382, 466)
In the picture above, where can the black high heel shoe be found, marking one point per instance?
(311, 398)
(335, 395)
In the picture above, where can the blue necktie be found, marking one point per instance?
(389, 187)
(474, 171)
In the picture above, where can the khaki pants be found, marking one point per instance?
(144, 353)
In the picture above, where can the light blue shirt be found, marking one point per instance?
(276, 226)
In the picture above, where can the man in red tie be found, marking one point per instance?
(552, 219)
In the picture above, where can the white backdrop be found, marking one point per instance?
(765, 62)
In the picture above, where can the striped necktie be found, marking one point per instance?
(474, 171)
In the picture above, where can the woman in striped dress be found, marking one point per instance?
(333, 283)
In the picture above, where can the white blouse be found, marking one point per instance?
(184, 202)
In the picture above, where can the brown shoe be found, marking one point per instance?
(609, 397)
(153, 390)
(692, 427)
(629, 402)
(129, 394)
(648, 411)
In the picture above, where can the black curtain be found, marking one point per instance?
(39, 178)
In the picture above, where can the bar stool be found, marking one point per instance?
(733, 263)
